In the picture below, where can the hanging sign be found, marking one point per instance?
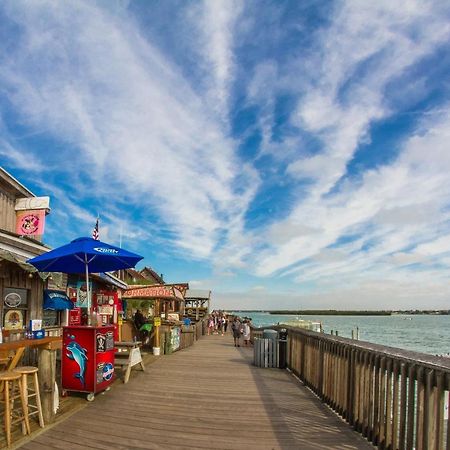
(30, 223)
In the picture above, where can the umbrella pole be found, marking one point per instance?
(88, 293)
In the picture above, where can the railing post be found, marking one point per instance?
(411, 404)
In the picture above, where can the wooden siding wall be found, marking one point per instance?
(7, 213)
(11, 275)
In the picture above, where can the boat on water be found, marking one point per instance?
(305, 324)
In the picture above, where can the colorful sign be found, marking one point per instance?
(175, 338)
(30, 223)
(75, 316)
(157, 321)
(82, 294)
(158, 291)
(13, 319)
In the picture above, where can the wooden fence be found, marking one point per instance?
(397, 399)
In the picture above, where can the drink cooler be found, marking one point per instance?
(87, 359)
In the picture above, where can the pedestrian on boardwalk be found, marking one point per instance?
(210, 325)
(246, 334)
(219, 325)
(236, 328)
(225, 325)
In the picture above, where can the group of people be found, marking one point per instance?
(240, 329)
(217, 323)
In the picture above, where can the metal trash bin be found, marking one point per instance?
(282, 348)
(265, 350)
(270, 334)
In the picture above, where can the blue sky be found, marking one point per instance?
(282, 154)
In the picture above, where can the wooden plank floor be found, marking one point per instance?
(208, 396)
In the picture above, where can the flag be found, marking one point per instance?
(95, 231)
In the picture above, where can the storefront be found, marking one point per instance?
(168, 309)
(106, 300)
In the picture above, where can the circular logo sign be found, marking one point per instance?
(108, 371)
(13, 300)
(29, 224)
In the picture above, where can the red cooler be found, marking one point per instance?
(87, 359)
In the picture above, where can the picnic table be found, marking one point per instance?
(128, 356)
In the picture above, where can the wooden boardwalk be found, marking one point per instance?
(208, 396)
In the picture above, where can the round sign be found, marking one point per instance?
(13, 300)
(29, 224)
(111, 301)
(108, 371)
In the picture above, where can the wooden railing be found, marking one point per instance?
(395, 398)
(187, 337)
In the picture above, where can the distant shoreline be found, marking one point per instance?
(332, 312)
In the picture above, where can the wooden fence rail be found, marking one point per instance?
(397, 399)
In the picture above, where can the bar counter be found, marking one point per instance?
(47, 347)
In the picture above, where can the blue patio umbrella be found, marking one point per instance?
(85, 255)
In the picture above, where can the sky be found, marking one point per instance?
(282, 154)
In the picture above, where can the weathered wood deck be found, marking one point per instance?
(208, 396)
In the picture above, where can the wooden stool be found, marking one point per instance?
(24, 371)
(9, 395)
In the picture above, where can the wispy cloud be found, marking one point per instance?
(122, 124)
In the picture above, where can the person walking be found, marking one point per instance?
(210, 325)
(236, 328)
(246, 333)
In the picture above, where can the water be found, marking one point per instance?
(421, 333)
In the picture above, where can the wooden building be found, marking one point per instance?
(21, 287)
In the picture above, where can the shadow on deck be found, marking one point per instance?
(208, 396)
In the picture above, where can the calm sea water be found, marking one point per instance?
(422, 333)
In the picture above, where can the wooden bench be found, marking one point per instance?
(130, 357)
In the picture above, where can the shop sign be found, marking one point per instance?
(157, 321)
(13, 319)
(175, 338)
(148, 292)
(101, 343)
(75, 316)
(82, 294)
(105, 310)
(99, 373)
(135, 356)
(15, 298)
(30, 223)
(109, 344)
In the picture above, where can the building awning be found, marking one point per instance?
(56, 300)
(113, 280)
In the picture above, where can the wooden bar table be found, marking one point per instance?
(47, 347)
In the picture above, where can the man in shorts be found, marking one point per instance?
(236, 328)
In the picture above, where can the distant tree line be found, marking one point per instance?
(330, 312)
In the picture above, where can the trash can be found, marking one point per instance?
(282, 348)
(270, 334)
(265, 350)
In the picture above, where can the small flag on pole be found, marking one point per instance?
(95, 231)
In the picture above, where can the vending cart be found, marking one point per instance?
(87, 359)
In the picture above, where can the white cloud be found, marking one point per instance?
(141, 130)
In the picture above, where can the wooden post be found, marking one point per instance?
(47, 372)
